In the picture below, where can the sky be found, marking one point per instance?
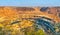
(29, 3)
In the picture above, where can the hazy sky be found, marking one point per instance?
(29, 2)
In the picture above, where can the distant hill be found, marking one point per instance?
(30, 12)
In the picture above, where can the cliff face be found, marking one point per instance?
(30, 12)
